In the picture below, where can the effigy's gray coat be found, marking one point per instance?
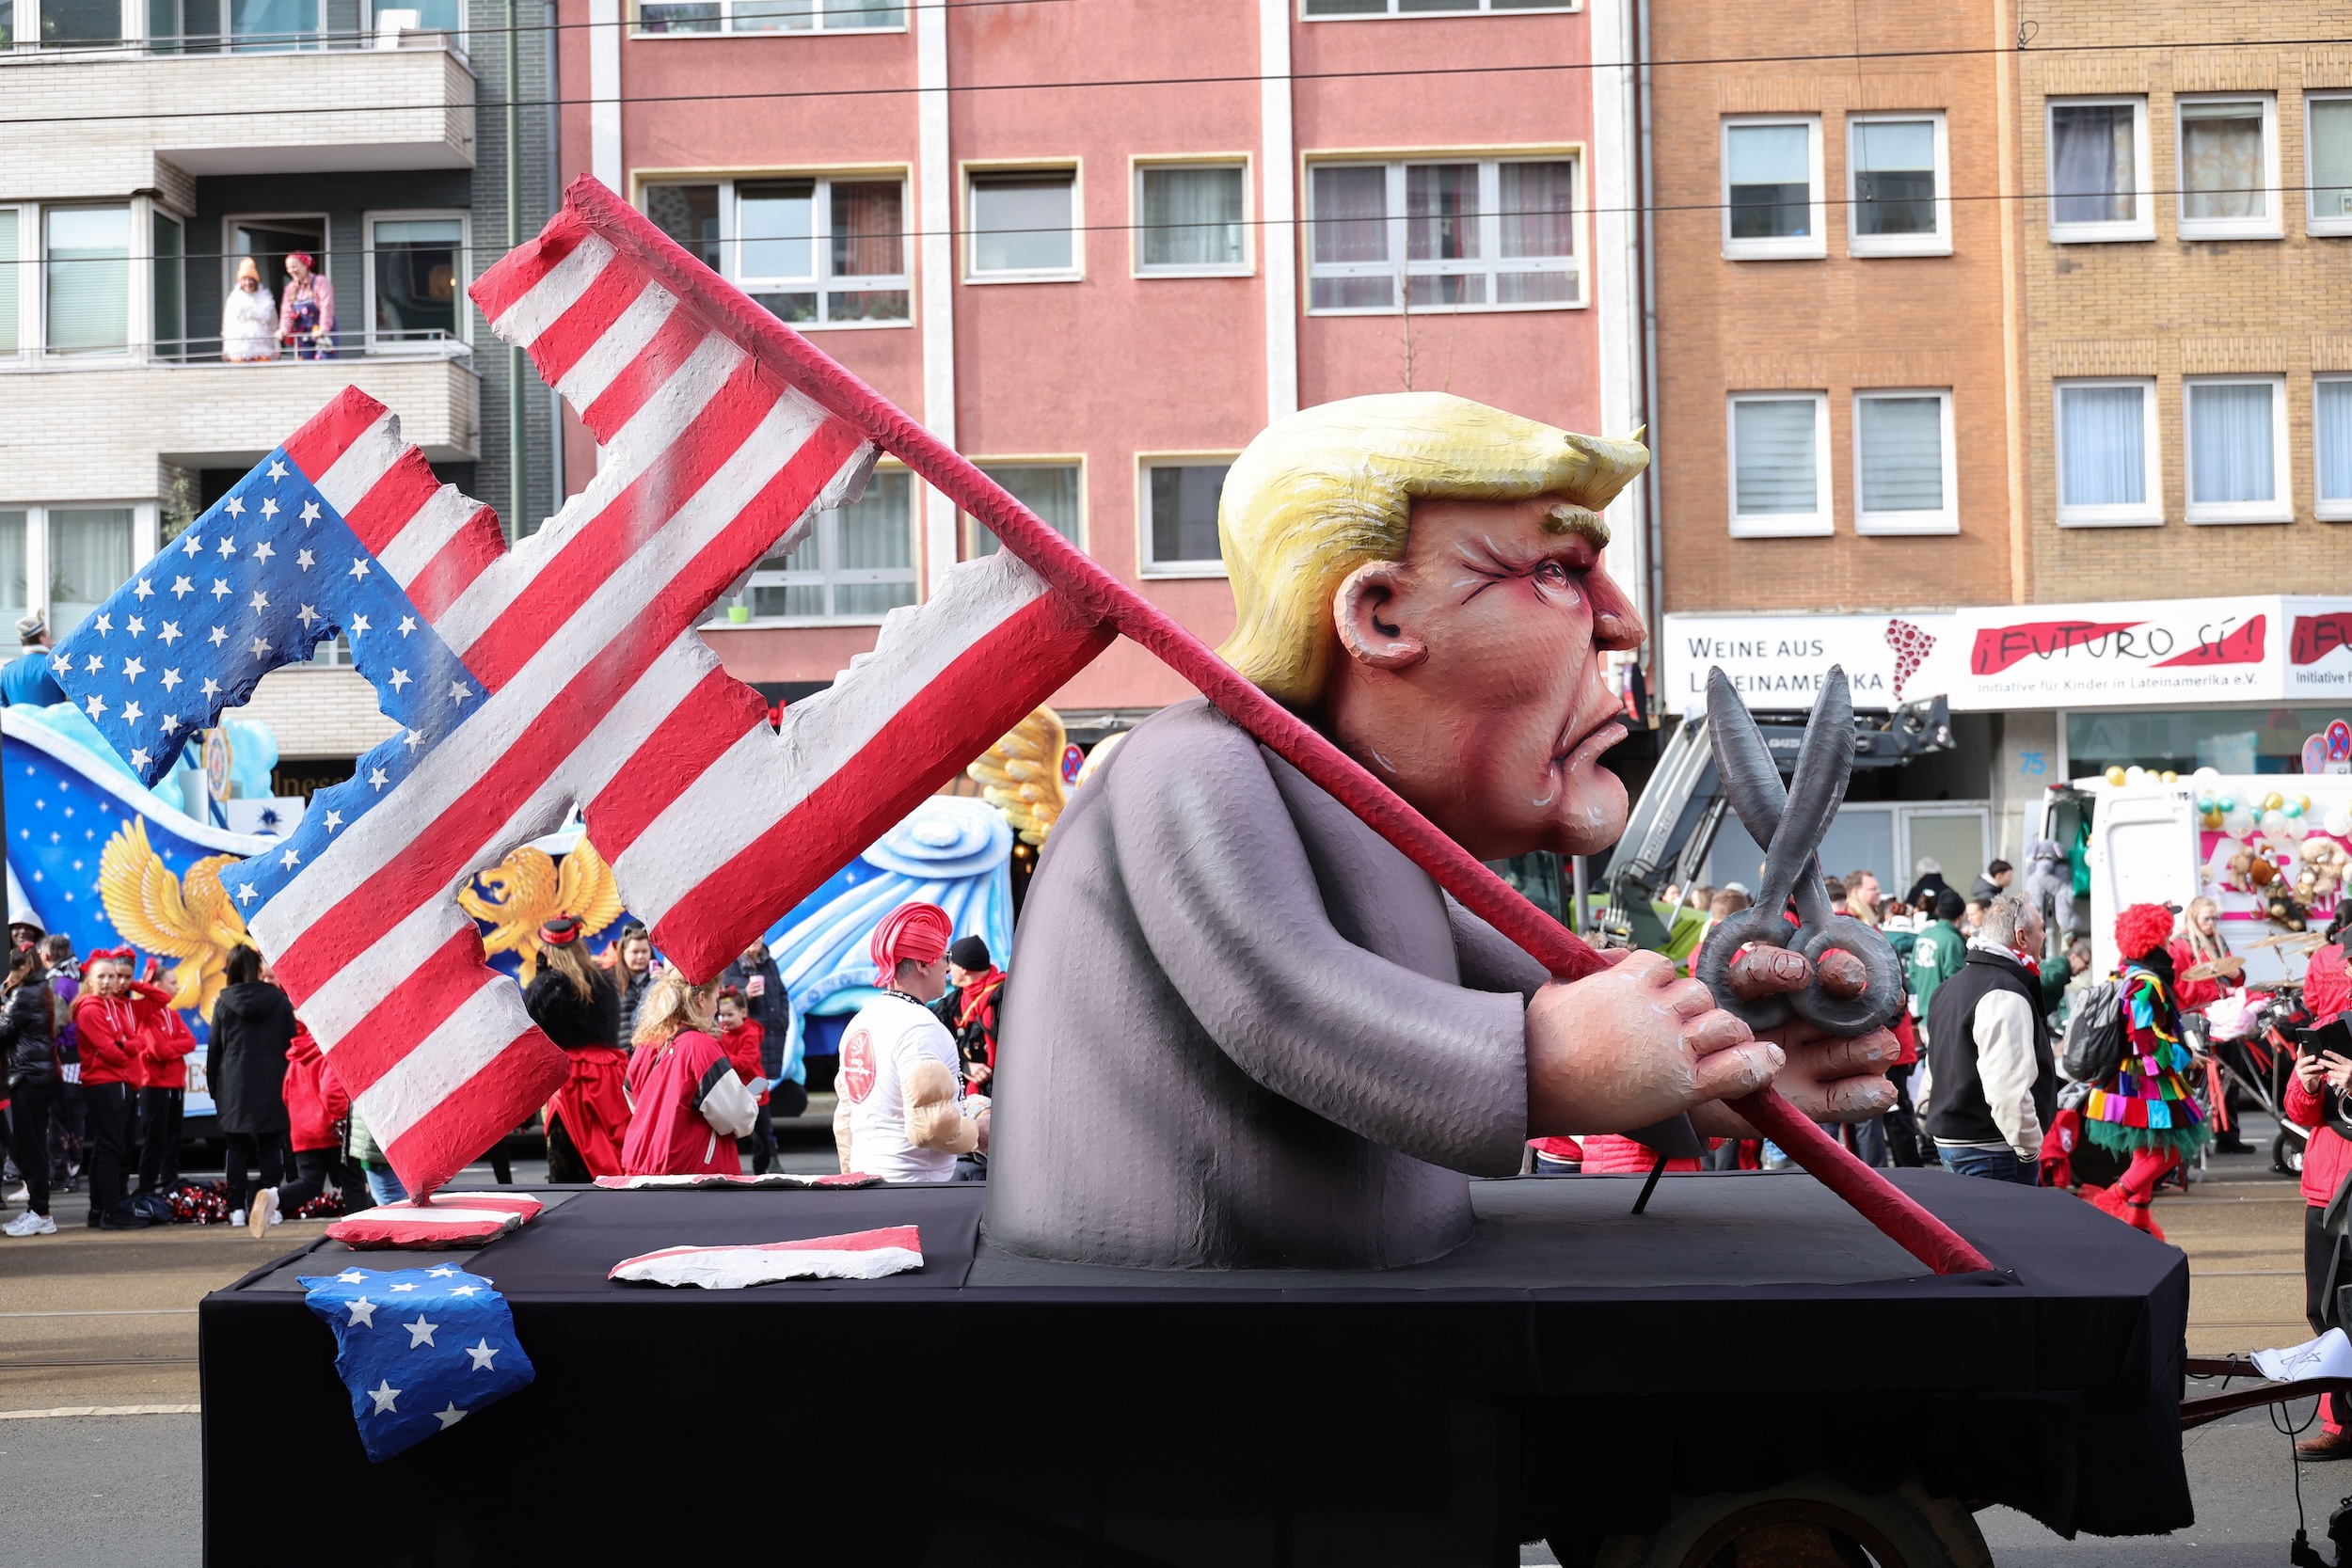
(1242, 1030)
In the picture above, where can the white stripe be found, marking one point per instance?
(554, 294)
(619, 343)
(764, 776)
(483, 1025)
(421, 538)
(675, 672)
(437, 1215)
(368, 459)
(354, 991)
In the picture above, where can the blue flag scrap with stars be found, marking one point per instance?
(420, 1349)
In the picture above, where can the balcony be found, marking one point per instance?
(150, 114)
(98, 427)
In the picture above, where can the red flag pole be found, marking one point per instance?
(1084, 582)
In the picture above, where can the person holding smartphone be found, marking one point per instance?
(2320, 1077)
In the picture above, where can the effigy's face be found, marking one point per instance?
(1474, 684)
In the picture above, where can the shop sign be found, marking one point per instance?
(1778, 663)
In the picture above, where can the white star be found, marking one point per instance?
(384, 1396)
(362, 1310)
(376, 778)
(227, 546)
(358, 625)
(210, 686)
(408, 625)
(236, 507)
(261, 600)
(98, 706)
(263, 551)
(305, 560)
(104, 625)
(309, 512)
(405, 1285)
(171, 725)
(419, 1332)
(62, 664)
(441, 1271)
(220, 587)
(290, 860)
(277, 469)
(457, 693)
(307, 615)
(482, 1354)
(133, 712)
(400, 679)
(245, 894)
(413, 741)
(351, 1277)
(96, 664)
(334, 821)
(146, 590)
(138, 759)
(261, 647)
(450, 1415)
(135, 625)
(194, 543)
(132, 669)
(359, 567)
(216, 637)
(467, 1291)
(269, 509)
(170, 679)
(181, 588)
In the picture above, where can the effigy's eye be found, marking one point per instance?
(1553, 575)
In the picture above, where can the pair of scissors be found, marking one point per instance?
(1791, 823)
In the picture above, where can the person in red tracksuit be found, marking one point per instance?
(316, 1107)
(163, 1051)
(2327, 1158)
(111, 1015)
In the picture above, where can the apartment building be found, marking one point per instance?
(1099, 247)
(154, 149)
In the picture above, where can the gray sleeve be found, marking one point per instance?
(1490, 960)
(1228, 904)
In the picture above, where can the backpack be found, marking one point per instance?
(2094, 1035)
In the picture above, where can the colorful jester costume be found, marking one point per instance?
(2142, 1107)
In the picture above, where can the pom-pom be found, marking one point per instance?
(2141, 929)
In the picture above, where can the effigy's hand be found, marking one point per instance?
(1828, 1078)
(1760, 972)
(1633, 1045)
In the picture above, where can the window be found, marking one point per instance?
(12, 292)
(1896, 171)
(1780, 483)
(2229, 167)
(65, 559)
(2327, 150)
(1052, 490)
(656, 18)
(14, 580)
(1905, 478)
(2099, 170)
(1772, 188)
(2332, 443)
(1322, 9)
(1495, 234)
(2106, 453)
(1022, 225)
(1191, 220)
(170, 320)
(857, 562)
(1180, 501)
(816, 251)
(2237, 449)
(80, 24)
(85, 256)
(415, 272)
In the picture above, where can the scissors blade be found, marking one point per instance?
(1817, 787)
(1750, 778)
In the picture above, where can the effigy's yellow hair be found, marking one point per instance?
(1324, 490)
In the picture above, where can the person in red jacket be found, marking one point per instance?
(163, 1051)
(742, 1037)
(316, 1108)
(111, 1015)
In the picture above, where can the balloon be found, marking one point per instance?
(2168, 776)
(2274, 820)
(2238, 824)
(2208, 818)
(2273, 801)
(2295, 808)
(2227, 802)
(2206, 804)
(2206, 774)
(2303, 800)
(2115, 776)
(2339, 821)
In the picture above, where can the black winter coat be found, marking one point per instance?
(246, 1066)
(28, 1024)
(569, 1021)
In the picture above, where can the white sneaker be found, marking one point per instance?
(21, 1195)
(30, 1224)
(263, 1214)
(236, 1216)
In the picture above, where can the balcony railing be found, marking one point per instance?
(79, 27)
(435, 343)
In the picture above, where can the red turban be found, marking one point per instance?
(918, 932)
(2141, 929)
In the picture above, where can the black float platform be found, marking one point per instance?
(1562, 1374)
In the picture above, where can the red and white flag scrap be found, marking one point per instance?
(463, 1220)
(859, 1254)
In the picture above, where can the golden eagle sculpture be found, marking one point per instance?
(527, 889)
(192, 920)
(1021, 774)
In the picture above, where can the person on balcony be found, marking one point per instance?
(249, 318)
(306, 315)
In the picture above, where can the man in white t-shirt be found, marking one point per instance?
(899, 1115)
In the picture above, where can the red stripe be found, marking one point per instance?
(983, 693)
(571, 335)
(647, 374)
(497, 290)
(331, 430)
(425, 868)
(719, 712)
(465, 556)
(391, 500)
(419, 1004)
(478, 1113)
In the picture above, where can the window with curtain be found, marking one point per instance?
(2224, 160)
(1900, 458)
(2330, 155)
(1048, 489)
(857, 561)
(1482, 235)
(262, 26)
(419, 265)
(1022, 222)
(89, 557)
(86, 262)
(7, 24)
(2233, 447)
(80, 24)
(656, 17)
(12, 279)
(690, 216)
(14, 576)
(2102, 447)
(2094, 163)
(1776, 457)
(2332, 443)
(1183, 499)
(818, 252)
(1894, 179)
(1768, 180)
(172, 288)
(1191, 218)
